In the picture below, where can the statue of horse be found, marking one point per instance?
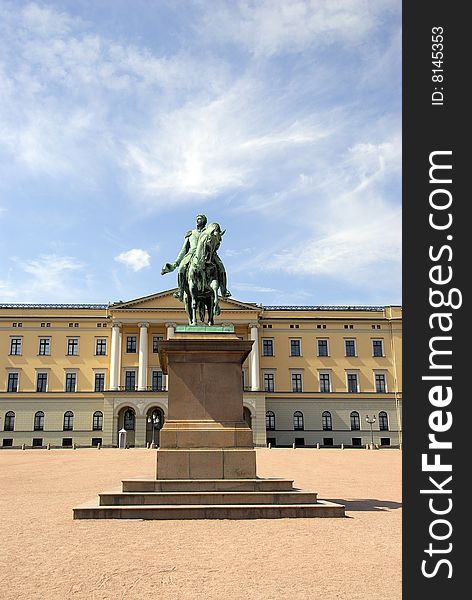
(201, 281)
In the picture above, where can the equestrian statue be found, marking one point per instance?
(201, 272)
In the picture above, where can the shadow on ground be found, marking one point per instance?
(368, 504)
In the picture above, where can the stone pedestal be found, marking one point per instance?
(205, 435)
(206, 463)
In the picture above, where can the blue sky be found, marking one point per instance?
(120, 121)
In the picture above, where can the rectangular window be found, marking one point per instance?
(12, 385)
(357, 441)
(297, 384)
(15, 346)
(37, 442)
(325, 385)
(327, 441)
(350, 346)
(99, 382)
(267, 347)
(44, 346)
(155, 343)
(101, 347)
(42, 382)
(295, 348)
(385, 441)
(269, 382)
(96, 441)
(67, 442)
(131, 344)
(7, 443)
(71, 382)
(130, 381)
(377, 348)
(380, 383)
(72, 346)
(299, 442)
(352, 382)
(323, 348)
(157, 381)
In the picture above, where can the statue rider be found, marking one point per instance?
(186, 254)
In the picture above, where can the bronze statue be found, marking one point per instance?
(201, 271)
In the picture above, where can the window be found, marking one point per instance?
(299, 442)
(15, 346)
(130, 381)
(350, 346)
(383, 421)
(267, 347)
(8, 443)
(377, 348)
(326, 421)
(270, 420)
(380, 383)
(298, 421)
(71, 382)
(155, 343)
(295, 348)
(99, 382)
(269, 382)
(355, 421)
(385, 441)
(157, 381)
(97, 422)
(72, 346)
(42, 382)
(12, 384)
(323, 348)
(328, 441)
(9, 421)
(101, 347)
(68, 421)
(37, 442)
(297, 384)
(44, 346)
(39, 421)
(131, 344)
(325, 384)
(352, 385)
(357, 441)
(128, 421)
(96, 441)
(67, 442)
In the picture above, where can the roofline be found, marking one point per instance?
(335, 308)
(76, 306)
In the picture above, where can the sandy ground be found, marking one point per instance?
(47, 555)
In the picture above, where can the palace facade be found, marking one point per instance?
(78, 374)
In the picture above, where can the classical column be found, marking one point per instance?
(115, 356)
(254, 357)
(143, 356)
(170, 330)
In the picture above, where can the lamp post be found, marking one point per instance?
(371, 421)
(153, 419)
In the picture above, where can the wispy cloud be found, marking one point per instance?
(136, 259)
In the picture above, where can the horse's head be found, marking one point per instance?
(209, 242)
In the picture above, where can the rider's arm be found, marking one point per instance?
(183, 252)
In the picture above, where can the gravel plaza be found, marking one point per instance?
(47, 555)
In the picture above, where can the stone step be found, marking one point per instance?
(322, 508)
(207, 485)
(206, 498)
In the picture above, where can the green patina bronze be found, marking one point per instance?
(201, 272)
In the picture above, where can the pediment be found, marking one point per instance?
(165, 301)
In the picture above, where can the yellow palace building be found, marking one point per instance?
(78, 374)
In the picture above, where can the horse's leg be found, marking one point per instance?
(216, 306)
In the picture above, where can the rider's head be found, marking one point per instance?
(201, 221)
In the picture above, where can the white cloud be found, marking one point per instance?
(251, 287)
(269, 27)
(50, 277)
(135, 259)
